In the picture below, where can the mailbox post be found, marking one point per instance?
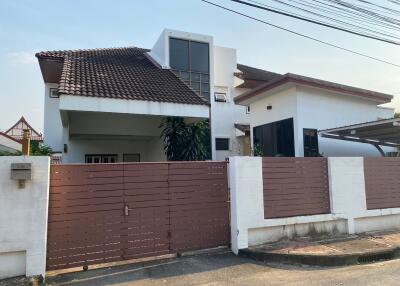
(26, 142)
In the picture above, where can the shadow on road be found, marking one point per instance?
(217, 264)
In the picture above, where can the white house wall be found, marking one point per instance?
(53, 130)
(385, 112)
(78, 148)
(320, 109)
(225, 114)
(284, 106)
(125, 106)
(100, 123)
(160, 50)
(110, 133)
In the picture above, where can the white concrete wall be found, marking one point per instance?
(23, 219)
(53, 129)
(349, 213)
(347, 188)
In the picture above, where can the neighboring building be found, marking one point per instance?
(287, 112)
(9, 144)
(17, 131)
(106, 105)
(10, 140)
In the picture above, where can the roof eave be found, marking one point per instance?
(245, 98)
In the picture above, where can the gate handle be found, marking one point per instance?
(126, 210)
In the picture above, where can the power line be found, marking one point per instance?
(300, 34)
(317, 22)
(353, 26)
(354, 14)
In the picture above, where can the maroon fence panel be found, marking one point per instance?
(199, 205)
(85, 215)
(295, 186)
(382, 182)
(102, 213)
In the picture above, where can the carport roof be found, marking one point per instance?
(385, 132)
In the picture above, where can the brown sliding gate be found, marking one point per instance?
(110, 212)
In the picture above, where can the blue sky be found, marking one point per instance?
(28, 26)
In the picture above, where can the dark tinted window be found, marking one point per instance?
(199, 57)
(190, 62)
(179, 54)
(222, 144)
(276, 138)
(310, 142)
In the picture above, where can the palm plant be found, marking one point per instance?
(185, 142)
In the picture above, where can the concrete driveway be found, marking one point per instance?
(226, 269)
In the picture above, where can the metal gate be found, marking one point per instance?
(102, 213)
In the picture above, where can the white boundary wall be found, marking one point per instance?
(23, 219)
(349, 212)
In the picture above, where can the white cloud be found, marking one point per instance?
(22, 58)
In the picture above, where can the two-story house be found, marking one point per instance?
(106, 105)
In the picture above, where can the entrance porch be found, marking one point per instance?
(118, 133)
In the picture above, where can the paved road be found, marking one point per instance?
(226, 269)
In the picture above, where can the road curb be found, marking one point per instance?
(322, 260)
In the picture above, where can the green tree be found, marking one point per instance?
(397, 115)
(185, 142)
(38, 149)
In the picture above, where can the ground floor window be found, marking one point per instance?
(104, 158)
(222, 144)
(275, 138)
(310, 142)
(131, 157)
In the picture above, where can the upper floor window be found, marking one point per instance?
(54, 93)
(190, 61)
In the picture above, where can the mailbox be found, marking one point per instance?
(21, 171)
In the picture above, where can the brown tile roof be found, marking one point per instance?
(123, 73)
(254, 77)
(316, 83)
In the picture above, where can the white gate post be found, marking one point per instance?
(246, 194)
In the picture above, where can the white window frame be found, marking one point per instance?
(220, 96)
(56, 93)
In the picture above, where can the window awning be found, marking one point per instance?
(385, 132)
